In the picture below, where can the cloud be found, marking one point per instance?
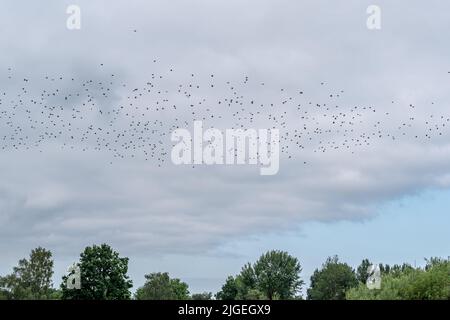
(67, 199)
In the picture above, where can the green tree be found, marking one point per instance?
(247, 283)
(202, 296)
(278, 275)
(275, 275)
(398, 270)
(241, 287)
(431, 283)
(408, 283)
(159, 286)
(229, 290)
(385, 269)
(31, 279)
(362, 271)
(103, 276)
(332, 281)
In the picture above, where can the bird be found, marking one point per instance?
(135, 120)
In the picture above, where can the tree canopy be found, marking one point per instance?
(275, 275)
(159, 286)
(408, 283)
(332, 281)
(202, 296)
(103, 276)
(31, 278)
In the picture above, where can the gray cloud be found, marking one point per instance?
(66, 199)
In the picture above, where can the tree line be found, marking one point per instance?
(275, 275)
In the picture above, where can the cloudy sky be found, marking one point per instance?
(387, 201)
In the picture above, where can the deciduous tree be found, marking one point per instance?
(159, 286)
(103, 276)
(31, 279)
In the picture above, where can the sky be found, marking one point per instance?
(386, 200)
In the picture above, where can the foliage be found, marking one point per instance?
(362, 271)
(202, 296)
(31, 279)
(103, 276)
(159, 286)
(396, 270)
(229, 290)
(332, 281)
(407, 283)
(276, 275)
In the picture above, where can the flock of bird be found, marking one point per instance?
(136, 120)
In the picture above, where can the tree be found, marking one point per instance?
(278, 275)
(275, 275)
(159, 286)
(31, 279)
(103, 276)
(202, 296)
(362, 272)
(385, 269)
(247, 284)
(229, 290)
(398, 270)
(407, 283)
(332, 281)
(432, 283)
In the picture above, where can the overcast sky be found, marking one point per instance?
(387, 201)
